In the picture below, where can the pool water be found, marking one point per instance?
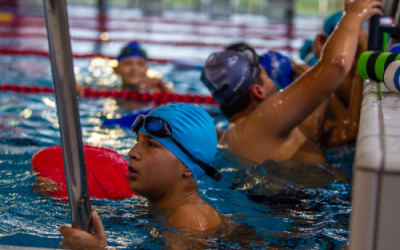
(286, 205)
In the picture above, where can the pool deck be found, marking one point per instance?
(375, 218)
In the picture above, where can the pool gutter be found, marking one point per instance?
(375, 219)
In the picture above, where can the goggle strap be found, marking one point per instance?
(213, 173)
(208, 169)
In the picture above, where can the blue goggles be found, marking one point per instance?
(250, 53)
(225, 77)
(158, 127)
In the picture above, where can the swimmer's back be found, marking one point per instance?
(242, 138)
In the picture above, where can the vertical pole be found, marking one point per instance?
(290, 20)
(67, 109)
(101, 23)
(375, 36)
(102, 15)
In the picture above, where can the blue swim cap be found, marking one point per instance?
(131, 49)
(306, 49)
(194, 129)
(306, 53)
(279, 68)
(331, 22)
(229, 74)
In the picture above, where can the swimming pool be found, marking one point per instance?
(279, 205)
(284, 206)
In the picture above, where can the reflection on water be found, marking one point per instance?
(314, 198)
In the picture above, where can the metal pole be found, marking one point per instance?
(68, 114)
(290, 21)
(375, 36)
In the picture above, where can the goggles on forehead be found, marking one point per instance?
(229, 74)
(249, 53)
(158, 127)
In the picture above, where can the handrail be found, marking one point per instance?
(67, 109)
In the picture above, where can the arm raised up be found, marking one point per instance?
(290, 107)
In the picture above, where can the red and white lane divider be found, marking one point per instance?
(160, 20)
(141, 96)
(144, 28)
(267, 36)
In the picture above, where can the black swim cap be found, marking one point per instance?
(229, 74)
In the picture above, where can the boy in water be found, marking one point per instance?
(132, 68)
(176, 145)
(263, 122)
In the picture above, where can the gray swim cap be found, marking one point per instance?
(229, 74)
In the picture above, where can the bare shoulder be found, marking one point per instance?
(197, 216)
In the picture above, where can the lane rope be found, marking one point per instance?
(141, 96)
(152, 20)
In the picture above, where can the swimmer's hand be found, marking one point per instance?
(157, 85)
(78, 239)
(363, 9)
(318, 44)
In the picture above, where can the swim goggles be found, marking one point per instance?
(226, 79)
(250, 54)
(129, 51)
(160, 128)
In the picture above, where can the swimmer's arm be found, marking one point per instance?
(354, 110)
(283, 111)
(344, 91)
(347, 131)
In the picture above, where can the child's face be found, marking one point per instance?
(153, 169)
(132, 70)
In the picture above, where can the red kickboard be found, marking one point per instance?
(105, 169)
